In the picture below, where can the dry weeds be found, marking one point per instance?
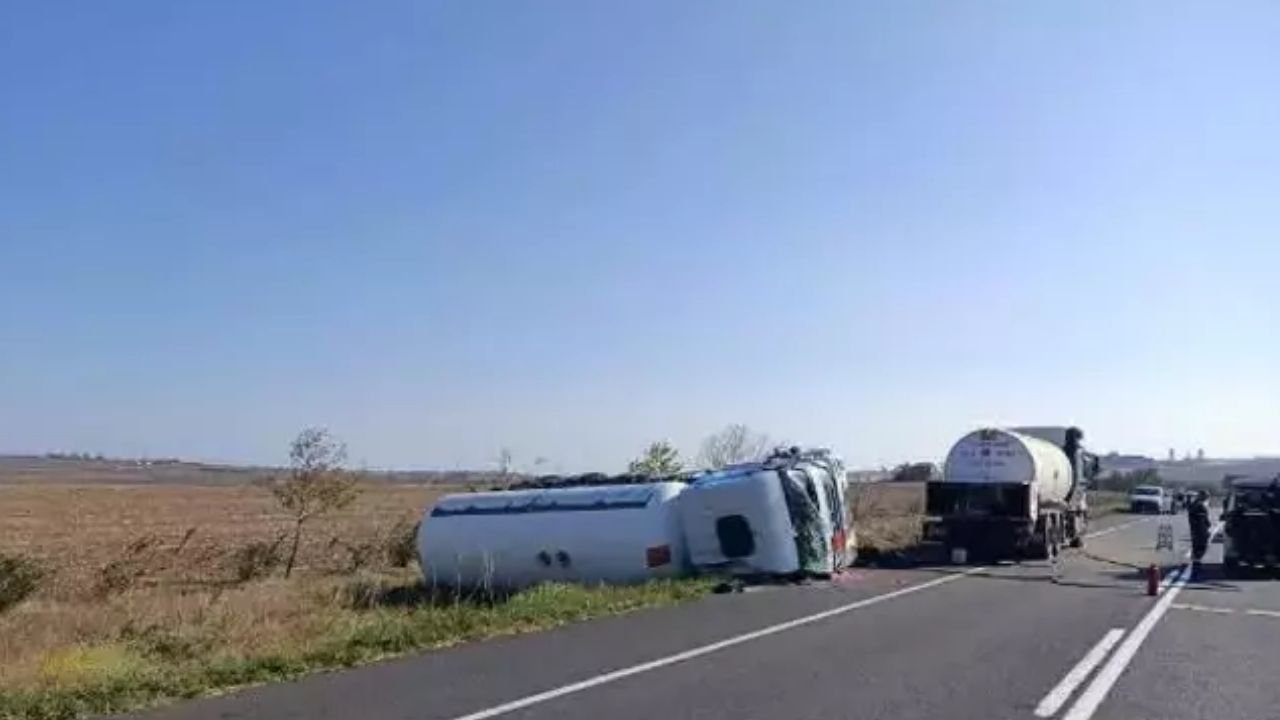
(128, 535)
(887, 516)
(170, 591)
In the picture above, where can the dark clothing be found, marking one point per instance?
(1198, 518)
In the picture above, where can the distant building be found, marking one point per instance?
(1117, 464)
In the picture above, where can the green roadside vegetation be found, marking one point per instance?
(166, 648)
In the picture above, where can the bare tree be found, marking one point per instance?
(317, 483)
(506, 461)
(734, 444)
(660, 458)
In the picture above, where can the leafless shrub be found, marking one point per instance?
(20, 577)
(257, 559)
(136, 561)
(734, 444)
(317, 483)
(402, 544)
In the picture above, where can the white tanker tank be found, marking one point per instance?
(1010, 493)
(1007, 457)
(516, 538)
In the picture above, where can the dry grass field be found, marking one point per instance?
(152, 591)
(888, 516)
(194, 534)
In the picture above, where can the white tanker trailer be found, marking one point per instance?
(517, 538)
(1012, 493)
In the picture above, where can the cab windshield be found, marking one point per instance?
(1253, 499)
(1146, 491)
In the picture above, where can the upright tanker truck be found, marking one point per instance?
(1012, 493)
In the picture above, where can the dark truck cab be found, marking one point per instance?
(1251, 524)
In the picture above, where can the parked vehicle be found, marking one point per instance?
(511, 539)
(1015, 493)
(1251, 524)
(1151, 499)
(786, 516)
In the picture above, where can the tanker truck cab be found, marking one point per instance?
(1251, 524)
(1010, 494)
(787, 516)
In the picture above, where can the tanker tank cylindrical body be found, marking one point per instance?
(1006, 457)
(1005, 493)
(511, 539)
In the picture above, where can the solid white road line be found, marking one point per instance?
(1097, 691)
(1059, 695)
(542, 697)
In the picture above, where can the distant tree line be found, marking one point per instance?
(1127, 481)
(99, 457)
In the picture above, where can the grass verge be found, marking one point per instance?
(1105, 502)
(152, 649)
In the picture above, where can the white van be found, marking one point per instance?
(1150, 499)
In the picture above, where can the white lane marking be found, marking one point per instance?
(1204, 608)
(1116, 528)
(571, 688)
(1255, 612)
(1059, 695)
(1092, 697)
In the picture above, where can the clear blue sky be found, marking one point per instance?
(575, 227)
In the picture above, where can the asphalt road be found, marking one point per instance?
(1012, 641)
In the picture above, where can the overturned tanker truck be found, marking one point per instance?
(1012, 494)
(784, 516)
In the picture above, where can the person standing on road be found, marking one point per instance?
(1198, 519)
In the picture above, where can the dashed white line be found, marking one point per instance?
(1092, 697)
(1203, 608)
(1059, 695)
(598, 680)
(1089, 701)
